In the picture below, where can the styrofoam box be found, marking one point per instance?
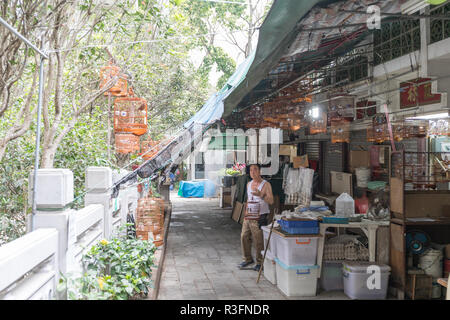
(54, 188)
(294, 251)
(300, 281)
(331, 278)
(98, 178)
(269, 269)
(356, 274)
(272, 251)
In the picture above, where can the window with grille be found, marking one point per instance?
(395, 39)
(439, 28)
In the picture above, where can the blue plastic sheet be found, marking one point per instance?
(194, 189)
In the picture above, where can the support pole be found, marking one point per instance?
(38, 138)
(38, 126)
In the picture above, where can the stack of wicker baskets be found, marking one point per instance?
(150, 220)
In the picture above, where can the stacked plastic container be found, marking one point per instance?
(296, 268)
(365, 280)
(269, 261)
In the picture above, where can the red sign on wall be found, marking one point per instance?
(364, 108)
(413, 94)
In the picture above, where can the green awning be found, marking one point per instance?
(275, 35)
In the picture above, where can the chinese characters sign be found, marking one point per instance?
(413, 93)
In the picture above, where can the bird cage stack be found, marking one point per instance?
(130, 113)
(150, 220)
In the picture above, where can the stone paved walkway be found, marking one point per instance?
(202, 254)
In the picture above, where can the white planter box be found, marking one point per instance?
(298, 281)
(297, 251)
(54, 188)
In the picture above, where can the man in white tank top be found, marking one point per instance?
(259, 197)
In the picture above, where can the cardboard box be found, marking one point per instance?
(301, 161)
(341, 182)
(288, 150)
(359, 159)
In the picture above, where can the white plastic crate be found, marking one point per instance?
(272, 251)
(356, 274)
(300, 281)
(297, 251)
(269, 269)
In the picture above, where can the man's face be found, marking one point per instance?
(254, 172)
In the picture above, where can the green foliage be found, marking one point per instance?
(118, 269)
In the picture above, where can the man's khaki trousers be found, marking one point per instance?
(251, 231)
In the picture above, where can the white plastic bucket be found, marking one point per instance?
(432, 263)
(362, 176)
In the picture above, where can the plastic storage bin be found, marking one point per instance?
(272, 251)
(297, 280)
(299, 226)
(294, 251)
(269, 270)
(345, 205)
(356, 274)
(331, 278)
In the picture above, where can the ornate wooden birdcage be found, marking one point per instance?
(370, 133)
(108, 73)
(130, 115)
(317, 122)
(380, 127)
(126, 142)
(340, 131)
(341, 107)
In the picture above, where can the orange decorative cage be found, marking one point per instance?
(130, 115)
(120, 87)
(319, 124)
(370, 134)
(340, 131)
(149, 149)
(126, 142)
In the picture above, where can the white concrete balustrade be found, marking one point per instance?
(30, 266)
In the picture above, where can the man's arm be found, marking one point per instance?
(268, 195)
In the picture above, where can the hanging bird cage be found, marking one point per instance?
(370, 134)
(318, 124)
(341, 107)
(380, 128)
(126, 142)
(130, 115)
(340, 131)
(107, 73)
(398, 131)
(149, 149)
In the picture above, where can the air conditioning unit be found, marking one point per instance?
(414, 6)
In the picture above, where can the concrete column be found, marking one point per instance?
(98, 185)
(54, 191)
(424, 41)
